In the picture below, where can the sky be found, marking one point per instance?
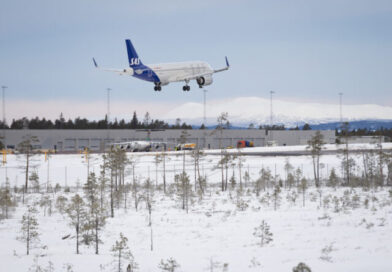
(303, 50)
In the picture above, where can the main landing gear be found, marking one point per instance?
(157, 87)
(186, 88)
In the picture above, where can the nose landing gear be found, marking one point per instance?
(186, 88)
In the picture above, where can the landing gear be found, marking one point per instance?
(157, 87)
(186, 88)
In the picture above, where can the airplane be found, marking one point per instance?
(165, 73)
(139, 146)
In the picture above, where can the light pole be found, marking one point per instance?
(340, 108)
(271, 112)
(204, 116)
(108, 115)
(3, 100)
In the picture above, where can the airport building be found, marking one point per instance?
(68, 140)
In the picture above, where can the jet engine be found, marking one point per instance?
(127, 71)
(204, 80)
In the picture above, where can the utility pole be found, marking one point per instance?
(3, 100)
(271, 112)
(340, 108)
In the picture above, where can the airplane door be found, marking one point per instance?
(149, 73)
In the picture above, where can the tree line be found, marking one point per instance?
(83, 123)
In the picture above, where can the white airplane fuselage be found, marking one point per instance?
(177, 71)
(165, 73)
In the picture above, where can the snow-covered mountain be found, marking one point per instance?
(245, 110)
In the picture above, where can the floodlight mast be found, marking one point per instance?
(205, 116)
(108, 115)
(340, 108)
(271, 111)
(3, 102)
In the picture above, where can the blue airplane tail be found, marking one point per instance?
(133, 58)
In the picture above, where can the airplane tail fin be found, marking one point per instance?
(133, 58)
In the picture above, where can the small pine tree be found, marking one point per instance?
(333, 179)
(96, 217)
(6, 201)
(34, 179)
(61, 202)
(122, 253)
(168, 265)
(183, 189)
(46, 203)
(302, 188)
(29, 229)
(246, 178)
(302, 267)
(276, 197)
(263, 233)
(76, 213)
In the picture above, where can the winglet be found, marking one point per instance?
(95, 63)
(223, 69)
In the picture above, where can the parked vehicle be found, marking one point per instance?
(242, 144)
(186, 146)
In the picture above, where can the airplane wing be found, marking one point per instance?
(188, 78)
(128, 71)
(203, 74)
(223, 69)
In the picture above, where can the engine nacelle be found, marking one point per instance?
(204, 80)
(127, 71)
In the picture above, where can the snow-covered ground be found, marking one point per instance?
(334, 234)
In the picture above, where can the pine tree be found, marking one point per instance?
(315, 144)
(169, 265)
(96, 217)
(34, 180)
(61, 202)
(46, 203)
(302, 188)
(76, 213)
(288, 167)
(29, 228)
(264, 180)
(183, 189)
(134, 122)
(263, 233)
(157, 160)
(333, 179)
(6, 201)
(123, 254)
(302, 267)
(276, 196)
(25, 148)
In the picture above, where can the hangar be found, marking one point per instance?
(69, 140)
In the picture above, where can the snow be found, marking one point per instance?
(285, 112)
(214, 230)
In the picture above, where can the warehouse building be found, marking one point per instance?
(67, 140)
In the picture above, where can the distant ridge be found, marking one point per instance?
(246, 110)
